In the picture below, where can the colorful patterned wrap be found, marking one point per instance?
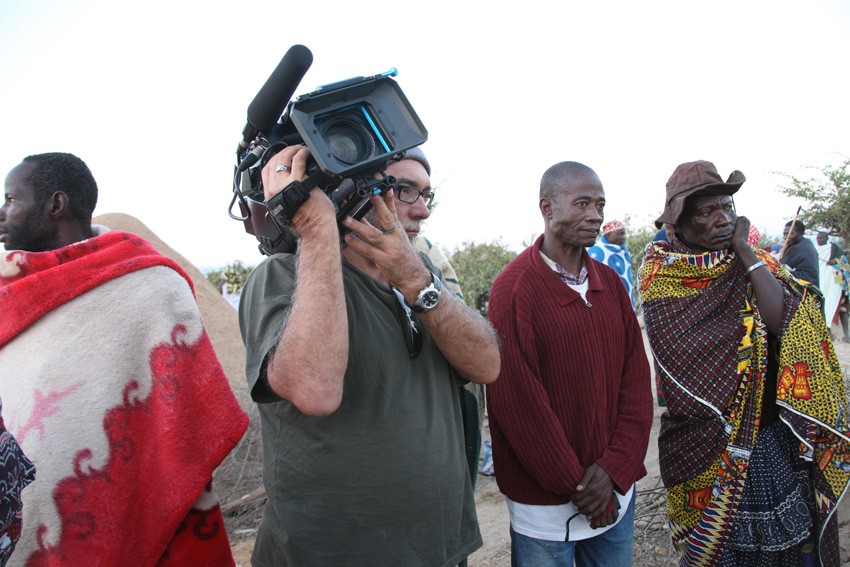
(711, 345)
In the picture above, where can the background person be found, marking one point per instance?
(830, 276)
(16, 472)
(800, 256)
(611, 250)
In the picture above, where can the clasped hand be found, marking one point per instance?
(595, 498)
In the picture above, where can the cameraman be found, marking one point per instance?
(358, 398)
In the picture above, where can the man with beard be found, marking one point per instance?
(354, 356)
(571, 411)
(753, 446)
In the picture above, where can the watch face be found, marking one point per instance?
(429, 300)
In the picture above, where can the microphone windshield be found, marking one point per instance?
(272, 98)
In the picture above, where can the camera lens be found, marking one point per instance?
(348, 143)
(348, 137)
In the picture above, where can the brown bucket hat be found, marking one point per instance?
(691, 178)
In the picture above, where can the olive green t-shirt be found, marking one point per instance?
(381, 481)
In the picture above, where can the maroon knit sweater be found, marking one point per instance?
(574, 388)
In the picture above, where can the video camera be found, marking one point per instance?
(353, 128)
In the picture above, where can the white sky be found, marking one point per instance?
(153, 96)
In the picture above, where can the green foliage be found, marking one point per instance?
(827, 195)
(768, 240)
(477, 265)
(234, 275)
(638, 235)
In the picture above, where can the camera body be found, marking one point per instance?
(356, 126)
(353, 129)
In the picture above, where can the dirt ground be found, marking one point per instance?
(239, 483)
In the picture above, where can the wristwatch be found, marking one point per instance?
(428, 297)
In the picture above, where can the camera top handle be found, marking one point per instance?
(346, 83)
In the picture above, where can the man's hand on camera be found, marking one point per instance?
(388, 247)
(316, 215)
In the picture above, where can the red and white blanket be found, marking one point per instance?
(111, 386)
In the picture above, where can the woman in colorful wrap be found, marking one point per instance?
(753, 448)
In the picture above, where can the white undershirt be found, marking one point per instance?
(550, 522)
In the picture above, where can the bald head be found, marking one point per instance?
(572, 202)
(565, 175)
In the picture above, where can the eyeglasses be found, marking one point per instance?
(409, 329)
(408, 194)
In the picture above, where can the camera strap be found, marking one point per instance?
(284, 204)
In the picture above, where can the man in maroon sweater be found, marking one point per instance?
(571, 411)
